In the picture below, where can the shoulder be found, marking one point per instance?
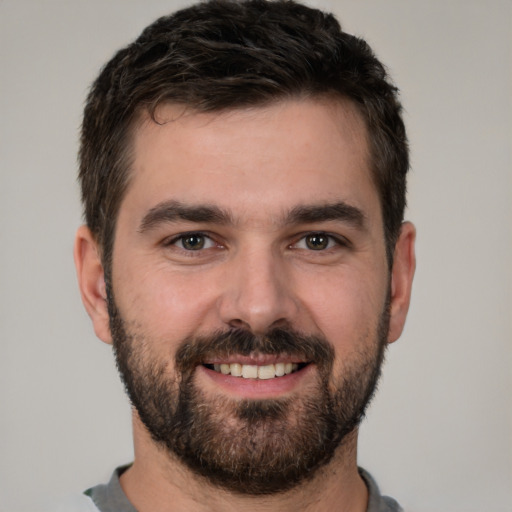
(376, 501)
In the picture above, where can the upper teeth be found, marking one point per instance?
(250, 371)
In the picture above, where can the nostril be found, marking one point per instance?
(236, 323)
(281, 323)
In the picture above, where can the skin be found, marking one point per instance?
(255, 271)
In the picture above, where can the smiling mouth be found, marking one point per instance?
(252, 371)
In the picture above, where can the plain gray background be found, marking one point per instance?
(438, 436)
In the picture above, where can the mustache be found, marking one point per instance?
(196, 350)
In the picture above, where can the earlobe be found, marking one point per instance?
(89, 269)
(404, 265)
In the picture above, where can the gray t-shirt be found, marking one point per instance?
(111, 497)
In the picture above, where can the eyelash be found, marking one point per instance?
(190, 234)
(332, 241)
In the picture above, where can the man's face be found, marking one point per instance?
(250, 288)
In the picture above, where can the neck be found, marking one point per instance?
(158, 482)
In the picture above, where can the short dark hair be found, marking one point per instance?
(224, 54)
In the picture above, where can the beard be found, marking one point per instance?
(251, 447)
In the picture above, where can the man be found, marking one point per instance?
(243, 174)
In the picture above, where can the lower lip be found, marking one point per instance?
(257, 388)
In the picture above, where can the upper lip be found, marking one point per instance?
(255, 359)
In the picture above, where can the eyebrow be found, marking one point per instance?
(339, 211)
(173, 211)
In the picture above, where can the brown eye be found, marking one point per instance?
(193, 242)
(317, 241)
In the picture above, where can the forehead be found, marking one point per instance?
(260, 160)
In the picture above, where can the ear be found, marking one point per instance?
(91, 281)
(404, 264)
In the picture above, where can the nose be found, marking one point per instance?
(258, 292)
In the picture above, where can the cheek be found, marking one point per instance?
(166, 304)
(345, 307)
